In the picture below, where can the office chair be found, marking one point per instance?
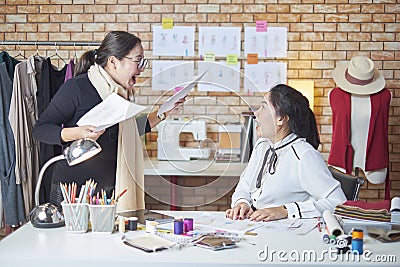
(350, 184)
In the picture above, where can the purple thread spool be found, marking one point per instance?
(187, 225)
(178, 227)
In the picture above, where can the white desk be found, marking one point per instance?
(227, 177)
(32, 247)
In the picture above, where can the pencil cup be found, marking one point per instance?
(102, 218)
(76, 217)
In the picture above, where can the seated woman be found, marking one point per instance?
(286, 176)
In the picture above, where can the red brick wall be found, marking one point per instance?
(320, 33)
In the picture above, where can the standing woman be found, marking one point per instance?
(113, 67)
(286, 176)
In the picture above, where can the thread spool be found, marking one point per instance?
(148, 226)
(187, 225)
(121, 224)
(132, 224)
(326, 239)
(152, 227)
(357, 246)
(332, 239)
(178, 227)
(357, 241)
(357, 234)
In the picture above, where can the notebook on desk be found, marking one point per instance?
(151, 243)
(145, 214)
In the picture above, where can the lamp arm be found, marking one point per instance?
(41, 173)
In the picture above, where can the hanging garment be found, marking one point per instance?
(11, 192)
(10, 63)
(48, 83)
(70, 70)
(377, 150)
(23, 115)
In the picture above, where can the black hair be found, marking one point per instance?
(288, 101)
(116, 43)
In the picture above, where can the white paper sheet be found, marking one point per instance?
(220, 77)
(219, 40)
(178, 41)
(263, 76)
(272, 43)
(170, 102)
(110, 111)
(168, 74)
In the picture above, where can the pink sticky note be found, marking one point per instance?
(261, 26)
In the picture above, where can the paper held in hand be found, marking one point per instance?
(110, 111)
(170, 102)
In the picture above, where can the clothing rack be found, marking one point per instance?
(56, 43)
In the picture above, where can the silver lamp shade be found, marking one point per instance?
(47, 215)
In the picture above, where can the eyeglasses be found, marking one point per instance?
(141, 64)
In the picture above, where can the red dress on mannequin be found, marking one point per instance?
(377, 151)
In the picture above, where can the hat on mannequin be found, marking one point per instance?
(359, 76)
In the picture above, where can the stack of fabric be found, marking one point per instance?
(354, 211)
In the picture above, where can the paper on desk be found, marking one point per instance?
(170, 102)
(210, 221)
(110, 111)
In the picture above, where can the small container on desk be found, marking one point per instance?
(76, 217)
(102, 218)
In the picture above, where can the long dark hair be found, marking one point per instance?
(116, 43)
(288, 101)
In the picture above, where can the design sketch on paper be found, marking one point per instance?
(169, 74)
(178, 41)
(272, 43)
(263, 76)
(219, 40)
(220, 77)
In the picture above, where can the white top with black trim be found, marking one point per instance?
(301, 181)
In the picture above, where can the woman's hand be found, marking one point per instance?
(269, 214)
(75, 133)
(239, 212)
(177, 106)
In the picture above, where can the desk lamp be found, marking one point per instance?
(47, 215)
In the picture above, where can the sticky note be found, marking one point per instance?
(232, 59)
(261, 26)
(167, 23)
(209, 56)
(252, 58)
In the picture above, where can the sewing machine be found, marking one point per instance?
(168, 140)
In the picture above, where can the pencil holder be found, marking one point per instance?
(102, 218)
(76, 217)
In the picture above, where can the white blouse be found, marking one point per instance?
(301, 181)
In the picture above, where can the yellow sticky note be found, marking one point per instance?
(167, 23)
(209, 56)
(232, 59)
(252, 58)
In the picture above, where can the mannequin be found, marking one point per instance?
(360, 111)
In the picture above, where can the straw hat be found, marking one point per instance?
(359, 76)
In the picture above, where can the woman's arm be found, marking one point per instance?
(316, 179)
(49, 128)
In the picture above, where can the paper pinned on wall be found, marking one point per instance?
(170, 102)
(110, 111)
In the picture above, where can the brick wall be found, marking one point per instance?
(320, 33)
